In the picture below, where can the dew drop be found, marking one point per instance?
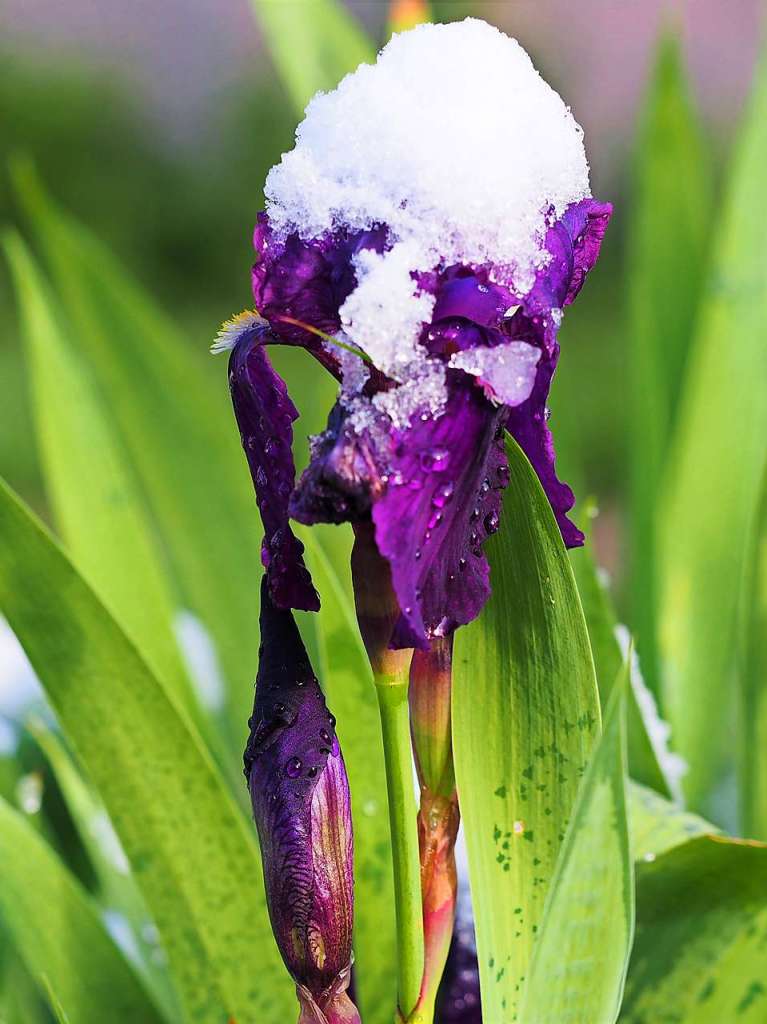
(434, 520)
(417, 554)
(312, 771)
(325, 735)
(434, 460)
(443, 494)
(293, 767)
(462, 564)
(491, 522)
(332, 720)
(474, 515)
(503, 473)
(485, 487)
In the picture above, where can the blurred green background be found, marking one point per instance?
(156, 125)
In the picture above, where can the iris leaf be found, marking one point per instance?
(172, 419)
(752, 742)
(701, 923)
(95, 500)
(714, 473)
(658, 825)
(193, 855)
(313, 45)
(348, 683)
(525, 718)
(581, 955)
(58, 932)
(117, 889)
(644, 765)
(668, 236)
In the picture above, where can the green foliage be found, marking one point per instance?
(192, 853)
(608, 658)
(714, 473)
(348, 683)
(313, 45)
(752, 721)
(519, 765)
(669, 228)
(701, 922)
(146, 486)
(57, 930)
(580, 959)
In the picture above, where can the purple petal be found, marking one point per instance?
(301, 805)
(441, 502)
(265, 415)
(307, 281)
(346, 472)
(527, 423)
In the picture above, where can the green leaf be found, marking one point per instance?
(644, 765)
(668, 235)
(714, 473)
(193, 854)
(313, 45)
(59, 934)
(699, 947)
(117, 888)
(348, 682)
(580, 958)
(95, 501)
(752, 742)
(177, 427)
(57, 1009)
(657, 825)
(525, 717)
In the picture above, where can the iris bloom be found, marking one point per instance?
(423, 252)
(431, 484)
(301, 804)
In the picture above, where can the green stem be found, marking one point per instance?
(395, 726)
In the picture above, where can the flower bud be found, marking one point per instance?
(302, 809)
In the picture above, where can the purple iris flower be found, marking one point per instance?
(431, 484)
(301, 805)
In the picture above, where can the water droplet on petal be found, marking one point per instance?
(503, 473)
(491, 522)
(293, 767)
(325, 735)
(443, 494)
(485, 487)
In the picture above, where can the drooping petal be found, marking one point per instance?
(347, 470)
(441, 502)
(307, 281)
(301, 805)
(528, 425)
(265, 415)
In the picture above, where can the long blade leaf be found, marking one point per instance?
(95, 501)
(714, 473)
(525, 717)
(668, 236)
(580, 959)
(193, 855)
(313, 45)
(59, 934)
(177, 428)
(701, 922)
(348, 682)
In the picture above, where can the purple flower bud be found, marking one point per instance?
(302, 808)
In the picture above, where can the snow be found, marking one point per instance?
(454, 141)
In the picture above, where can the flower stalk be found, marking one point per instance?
(377, 611)
(438, 815)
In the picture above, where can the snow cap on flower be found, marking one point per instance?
(302, 808)
(421, 240)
